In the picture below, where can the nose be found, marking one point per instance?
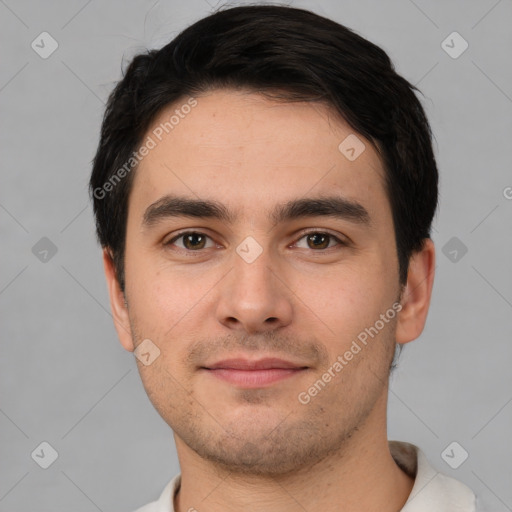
(254, 297)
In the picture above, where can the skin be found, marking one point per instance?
(261, 449)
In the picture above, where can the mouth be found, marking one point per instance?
(247, 374)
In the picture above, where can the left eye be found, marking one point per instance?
(319, 240)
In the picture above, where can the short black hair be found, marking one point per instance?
(288, 54)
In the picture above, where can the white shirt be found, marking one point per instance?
(432, 490)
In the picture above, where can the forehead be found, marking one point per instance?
(250, 152)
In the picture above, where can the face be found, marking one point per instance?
(284, 263)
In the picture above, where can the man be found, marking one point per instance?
(264, 188)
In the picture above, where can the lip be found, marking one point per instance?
(247, 373)
(268, 363)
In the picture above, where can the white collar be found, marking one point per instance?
(432, 490)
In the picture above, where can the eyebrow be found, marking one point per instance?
(332, 206)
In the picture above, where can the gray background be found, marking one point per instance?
(65, 379)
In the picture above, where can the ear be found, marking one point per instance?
(416, 295)
(117, 303)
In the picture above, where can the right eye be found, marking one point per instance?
(192, 241)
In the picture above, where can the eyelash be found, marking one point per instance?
(339, 242)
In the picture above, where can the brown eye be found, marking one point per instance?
(191, 241)
(194, 241)
(318, 240)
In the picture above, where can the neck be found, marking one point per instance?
(360, 475)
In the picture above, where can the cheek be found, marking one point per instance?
(346, 302)
(165, 301)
